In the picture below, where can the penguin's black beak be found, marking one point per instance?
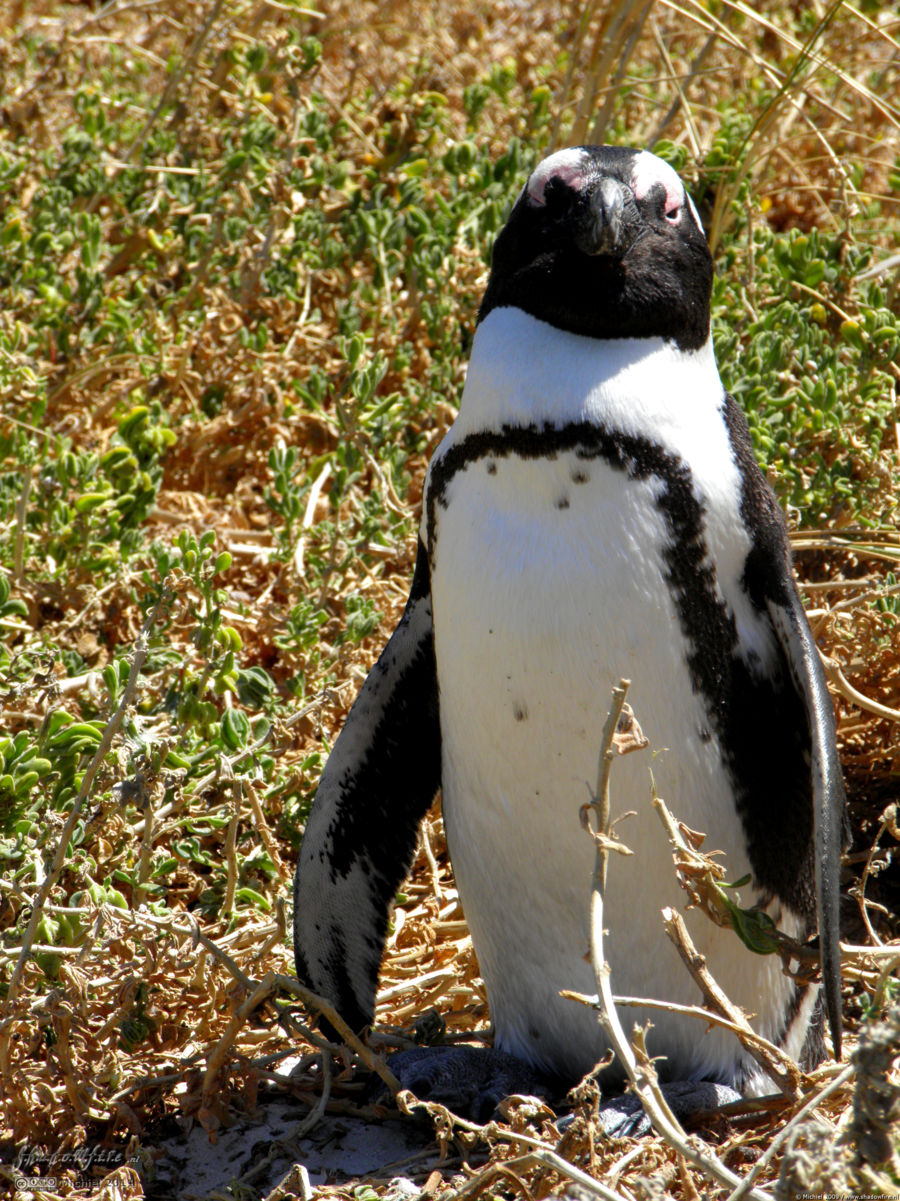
(610, 223)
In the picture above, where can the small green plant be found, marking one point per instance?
(362, 618)
(21, 771)
(817, 387)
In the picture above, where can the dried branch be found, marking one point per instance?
(639, 1069)
(265, 833)
(771, 1059)
(744, 1189)
(541, 1152)
(175, 79)
(848, 692)
(21, 511)
(217, 1055)
(737, 1027)
(313, 1001)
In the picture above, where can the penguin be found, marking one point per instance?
(594, 512)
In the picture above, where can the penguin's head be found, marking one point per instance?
(605, 241)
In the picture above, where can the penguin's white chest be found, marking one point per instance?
(549, 584)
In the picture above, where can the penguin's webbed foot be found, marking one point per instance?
(469, 1081)
(472, 1081)
(625, 1117)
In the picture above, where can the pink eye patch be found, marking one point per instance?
(567, 165)
(650, 171)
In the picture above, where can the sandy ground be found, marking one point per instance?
(262, 1149)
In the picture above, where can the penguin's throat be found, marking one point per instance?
(525, 372)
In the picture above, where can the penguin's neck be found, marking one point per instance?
(524, 372)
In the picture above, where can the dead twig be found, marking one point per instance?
(265, 833)
(739, 1028)
(540, 1152)
(771, 1059)
(848, 692)
(313, 1001)
(217, 1056)
(633, 1058)
(174, 81)
(21, 512)
(745, 1189)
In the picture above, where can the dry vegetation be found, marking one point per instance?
(241, 249)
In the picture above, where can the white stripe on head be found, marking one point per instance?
(567, 165)
(649, 170)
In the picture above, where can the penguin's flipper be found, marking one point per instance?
(770, 584)
(795, 637)
(379, 781)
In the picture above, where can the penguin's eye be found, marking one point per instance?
(557, 195)
(566, 170)
(664, 200)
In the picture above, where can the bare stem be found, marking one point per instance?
(640, 1072)
(744, 1189)
(21, 512)
(771, 1059)
(313, 1001)
(600, 802)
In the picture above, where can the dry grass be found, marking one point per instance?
(144, 1021)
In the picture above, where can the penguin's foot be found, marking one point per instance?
(472, 1081)
(625, 1117)
(469, 1081)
